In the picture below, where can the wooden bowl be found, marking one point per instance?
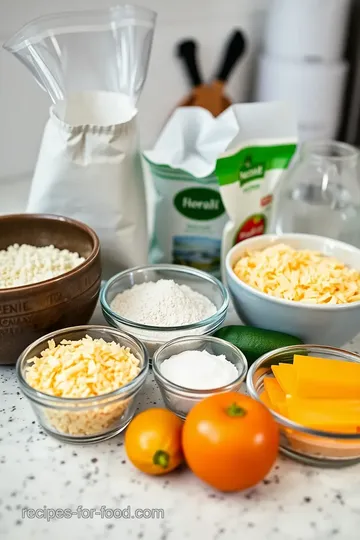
(29, 312)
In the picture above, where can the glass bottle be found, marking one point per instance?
(320, 193)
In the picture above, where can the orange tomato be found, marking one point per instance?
(230, 441)
(153, 441)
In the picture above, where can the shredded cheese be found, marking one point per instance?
(81, 369)
(299, 275)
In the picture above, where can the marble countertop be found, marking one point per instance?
(295, 502)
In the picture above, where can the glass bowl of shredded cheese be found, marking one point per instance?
(303, 285)
(82, 382)
(319, 430)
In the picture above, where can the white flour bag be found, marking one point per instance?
(93, 66)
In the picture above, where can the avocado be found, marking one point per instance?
(254, 342)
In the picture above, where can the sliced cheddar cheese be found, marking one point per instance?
(264, 396)
(325, 378)
(275, 394)
(285, 376)
(337, 416)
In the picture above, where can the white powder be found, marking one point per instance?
(199, 370)
(163, 303)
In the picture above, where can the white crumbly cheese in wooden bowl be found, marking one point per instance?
(300, 275)
(24, 264)
(82, 369)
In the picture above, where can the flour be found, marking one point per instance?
(163, 303)
(199, 370)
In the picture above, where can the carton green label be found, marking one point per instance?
(251, 171)
(201, 204)
(252, 163)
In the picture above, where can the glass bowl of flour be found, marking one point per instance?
(159, 303)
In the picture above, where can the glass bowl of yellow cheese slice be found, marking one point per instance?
(313, 392)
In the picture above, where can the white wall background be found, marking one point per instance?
(24, 106)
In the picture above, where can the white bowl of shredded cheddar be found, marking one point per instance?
(82, 381)
(304, 285)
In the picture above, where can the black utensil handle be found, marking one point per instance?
(233, 52)
(186, 50)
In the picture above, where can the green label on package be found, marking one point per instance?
(250, 164)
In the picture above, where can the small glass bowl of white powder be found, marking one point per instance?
(190, 369)
(158, 303)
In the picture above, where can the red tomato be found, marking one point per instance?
(230, 441)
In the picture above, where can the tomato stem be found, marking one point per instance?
(161, 458)
(235, 410)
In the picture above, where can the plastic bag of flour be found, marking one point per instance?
(189, 215)
(250, 168)
(93, 65)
